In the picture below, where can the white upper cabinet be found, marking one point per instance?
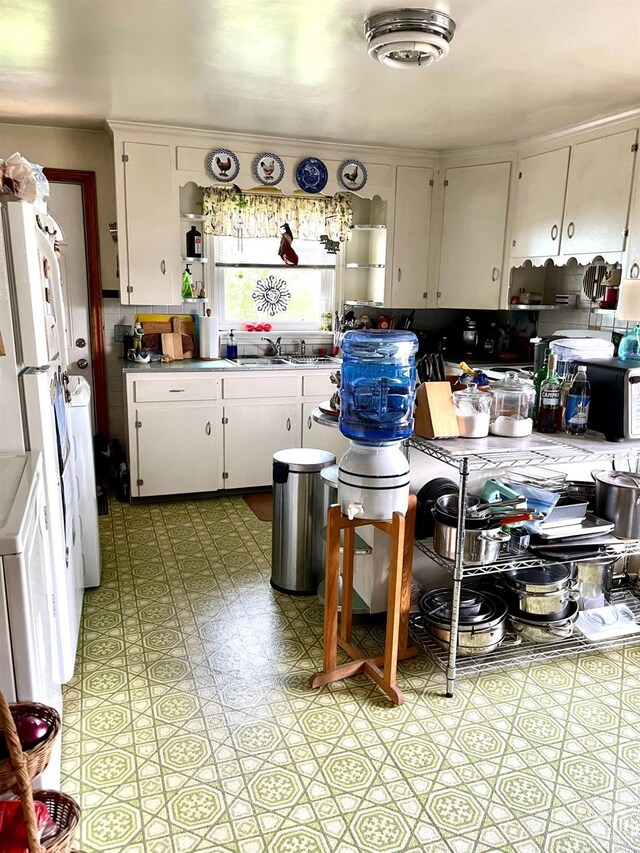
(598, 192)
(147, 269)
(414, 186)
(542, 184)
(473, 233)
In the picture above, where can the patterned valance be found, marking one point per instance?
(230, 213)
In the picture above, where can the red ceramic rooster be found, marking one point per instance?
(286, 250)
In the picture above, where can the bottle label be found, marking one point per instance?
(197, 245)
(577, 411)
(550, 397)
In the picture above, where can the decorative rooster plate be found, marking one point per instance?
(268, 169)
(312, 175)
(352, 174)
(223, 165)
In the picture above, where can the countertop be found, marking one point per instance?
(219, 365)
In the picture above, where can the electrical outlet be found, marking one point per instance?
(120, 331)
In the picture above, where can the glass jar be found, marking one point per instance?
(378, 385)
(513, 406)
(473, 411)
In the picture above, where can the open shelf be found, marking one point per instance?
(509, 655)
(365, 266)
(366, 227)
(500, 452)
(188, 260)
(513, 562)
(192, 217)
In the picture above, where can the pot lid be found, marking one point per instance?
(573, 609)
(553, 574)
(618, 478)
(477, 609)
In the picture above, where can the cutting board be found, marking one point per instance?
(172, 341)
(159, 324)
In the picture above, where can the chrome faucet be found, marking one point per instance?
(303, 348)
(275, 346)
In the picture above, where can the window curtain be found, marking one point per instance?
(231, 213)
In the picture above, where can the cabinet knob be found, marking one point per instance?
(163, 267)
(207, 429)
(288, 424)
(571, 230)
(495, 273)
(554, 232)
(634, 272)
(399, 274)
(309, 422)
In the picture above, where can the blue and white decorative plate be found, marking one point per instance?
(268, 169)
(223, 165)
(352, 174)
(312, 175)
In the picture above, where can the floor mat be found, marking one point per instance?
(262, 505)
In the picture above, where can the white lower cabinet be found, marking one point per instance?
(177, 449)
(253, 432)
(322, 437)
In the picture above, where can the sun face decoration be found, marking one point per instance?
(271, 295)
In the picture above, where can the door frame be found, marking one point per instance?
(87, 182)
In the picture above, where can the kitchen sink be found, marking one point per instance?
(313, 359)
(259, 360)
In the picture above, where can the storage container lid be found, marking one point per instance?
(304, 460)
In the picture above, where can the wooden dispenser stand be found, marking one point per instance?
(401, 529)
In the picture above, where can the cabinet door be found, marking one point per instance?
(542, 185)
(178, 449)
(148, 267)
(322, 437)
(473, 232)
(252, 434)
(598, 191)
(411, 237)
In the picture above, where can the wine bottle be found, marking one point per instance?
(550, 410)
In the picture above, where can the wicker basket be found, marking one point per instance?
(37, 758)
(66, 813)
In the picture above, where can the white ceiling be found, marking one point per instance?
(300, 68)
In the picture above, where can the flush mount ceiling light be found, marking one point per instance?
(409, 38)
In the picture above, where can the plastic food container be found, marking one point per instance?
(473, 412)
(512, 406)
(378, 385)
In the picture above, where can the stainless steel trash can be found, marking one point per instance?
(300, 503)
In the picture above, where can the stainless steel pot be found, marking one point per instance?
(545, 631)
(618, 500)
(541, 592)
(481, 547)
(594, 580)
(479, 632)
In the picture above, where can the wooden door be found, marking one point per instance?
(178, 449)
(473, 233)
(252, 434)
(542, 184)
(598, 192)
(411, 237)
(149, 269)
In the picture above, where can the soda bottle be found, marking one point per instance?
(550, 410)
(578, 400)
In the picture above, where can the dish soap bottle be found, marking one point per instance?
(187, 284)
(232, 346)
(194, 243)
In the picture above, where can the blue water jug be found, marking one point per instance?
(378, 385)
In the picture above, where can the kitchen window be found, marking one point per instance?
(253, 285)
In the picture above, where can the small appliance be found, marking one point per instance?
(615, 397)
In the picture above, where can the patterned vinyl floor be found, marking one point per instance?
(189, 725)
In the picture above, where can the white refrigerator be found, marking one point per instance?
(35, 408)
